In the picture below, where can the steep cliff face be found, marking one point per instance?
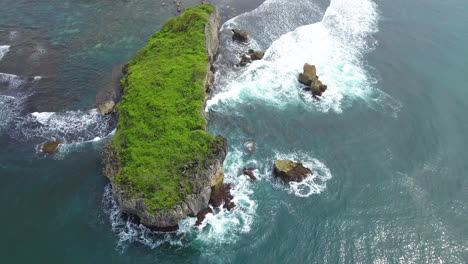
(206, 176)
(212, 45)
(198, 175)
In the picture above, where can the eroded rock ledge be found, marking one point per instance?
(162, 164)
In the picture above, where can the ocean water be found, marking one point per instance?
(387, 140)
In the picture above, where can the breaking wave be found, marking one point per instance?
(336, 45)
(68, 127)
(3, 50)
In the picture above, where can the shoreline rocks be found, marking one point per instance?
(309, 78)
(289, 171)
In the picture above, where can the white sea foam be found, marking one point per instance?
(11, 102)
(10, 107)
(276, 18)
(69, 127)
(10, 81)
(3, 50)
(130, 232)
(336, 45)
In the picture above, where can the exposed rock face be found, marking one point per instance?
(240, 35)
(212, 47)
(110, 95)
(291, 171)
(50, 147)
(309, 77)
(206, 176)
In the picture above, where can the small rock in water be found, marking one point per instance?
(240, 35)
(256, 55)
(50, 147)
(251, 56)
(291, 171)
(249, 172)
(309, 77)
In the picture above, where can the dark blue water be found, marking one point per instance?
(387, 141)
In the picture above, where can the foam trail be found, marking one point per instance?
(10, 81)
(3, 50)
(11, 100)
(10, 107)
(336, 45)
(68, 127)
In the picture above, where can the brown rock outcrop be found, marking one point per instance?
(291, 171)
(309, 77)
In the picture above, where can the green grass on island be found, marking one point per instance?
(161, 127)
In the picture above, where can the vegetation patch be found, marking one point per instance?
(161, 128)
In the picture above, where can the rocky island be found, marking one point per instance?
(162, 163)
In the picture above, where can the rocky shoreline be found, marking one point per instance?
(205, 175)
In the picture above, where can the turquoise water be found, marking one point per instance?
(387, 141)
